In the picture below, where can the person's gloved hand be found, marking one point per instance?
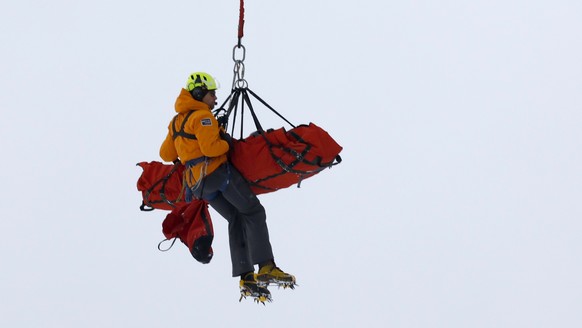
(226, 137)
(222, 120)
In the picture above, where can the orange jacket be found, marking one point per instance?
(208, 142)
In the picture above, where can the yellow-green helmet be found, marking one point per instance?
(199, 83)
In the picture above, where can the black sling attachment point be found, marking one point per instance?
(239, 97)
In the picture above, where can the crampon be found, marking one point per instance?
(279, 283)
(259, 294)
(273, 276)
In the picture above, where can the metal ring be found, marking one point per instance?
(242, 83)
(234, 52)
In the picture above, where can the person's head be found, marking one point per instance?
(202, 86)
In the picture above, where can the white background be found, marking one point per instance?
(458, 202)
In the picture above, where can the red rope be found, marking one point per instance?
(241, 21)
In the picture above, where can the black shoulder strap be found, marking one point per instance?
(182, 133)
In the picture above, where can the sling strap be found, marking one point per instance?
(181, 133)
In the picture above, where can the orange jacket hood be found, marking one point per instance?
(185, 103)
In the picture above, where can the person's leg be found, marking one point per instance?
(235, 201)
(251, 214)
(239, 251)
(209, 189)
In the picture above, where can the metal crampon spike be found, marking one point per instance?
(263, 299)
(244, 294)
(290, 286)
(279, 284)
(286, 284)
(257, 299)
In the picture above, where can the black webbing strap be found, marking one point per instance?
(181, 132)
(269, 107)
(317, 161)
(247, 100)
(233, 103)
(234, 100)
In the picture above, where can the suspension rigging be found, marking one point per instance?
(294, 155)
(239, 101)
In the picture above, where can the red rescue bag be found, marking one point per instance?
(161, 185)
(191, 223)
(270, 161)
(278, 158)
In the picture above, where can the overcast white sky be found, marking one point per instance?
(458, 203)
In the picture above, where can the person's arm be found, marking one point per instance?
(208, 135)
(168, 151)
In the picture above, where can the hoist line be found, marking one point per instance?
(241, 22)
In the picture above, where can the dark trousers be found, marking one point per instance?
(230, 195)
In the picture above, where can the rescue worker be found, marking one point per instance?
(196, 140)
